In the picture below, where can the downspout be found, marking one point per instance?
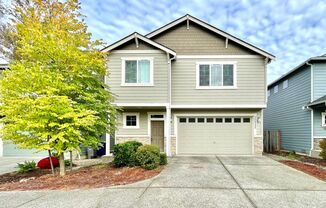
(168, 107)
(267, 61)
(311, 110)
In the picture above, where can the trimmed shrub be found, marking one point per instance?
(148, 156)
(163, 159)
(124, 154)
(322, 145)
(26, 166)
(45, 163)
(67, 162)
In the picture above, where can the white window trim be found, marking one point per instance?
(275, 89)
(123, 71)
(323, 121)
(234, 63)
(287, 84)
(124, 120)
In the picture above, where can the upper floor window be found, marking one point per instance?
(285, 84)
(276, 89)
(268, 93)
(216, 75)
(137, 71)
(323, 118)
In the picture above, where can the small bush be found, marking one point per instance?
(322, 145)
(148, 156)
(67, 162)
(26, 166)
(292, 155)
(163, 159)
(124, 154)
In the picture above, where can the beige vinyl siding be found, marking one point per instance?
(131, 45)
(143, 124)
(143, 121)
(250, 84)
(197, 40)
(139, 94)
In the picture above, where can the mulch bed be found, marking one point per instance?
(303, 158)
(88, 177)
(312, 170)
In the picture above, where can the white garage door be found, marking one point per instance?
(215, 135)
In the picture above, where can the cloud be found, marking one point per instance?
(290, 29)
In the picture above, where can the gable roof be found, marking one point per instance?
(136, 35)
(316, 58)
(321, 100)
(213, 29)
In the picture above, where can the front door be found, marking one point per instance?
(157, 133)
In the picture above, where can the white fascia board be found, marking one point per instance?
(156, 45)
(217, 56)
(217, 106)
(317, 103)
(136, 51)
(168, 26)
(141, 104)
(121, 42)
(136, 35)
(131, 135)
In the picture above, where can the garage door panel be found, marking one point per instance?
(215, 138)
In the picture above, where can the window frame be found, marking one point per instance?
(275, 89)
(234, 63)
(323, 119)
(123, 71)
(124, 120)
(284, 86)
(268, 93)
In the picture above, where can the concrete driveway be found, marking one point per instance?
(194, 182)
(9, 164)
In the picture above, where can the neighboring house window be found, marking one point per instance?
(130, 120)
(268, 93)
(216, 75)
(137, 71)
(323, 118)
(276, 89)
(285, 84)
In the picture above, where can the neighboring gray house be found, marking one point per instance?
(9, 149)
(297, 106)
(189, 88)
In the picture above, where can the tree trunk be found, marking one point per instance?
(51, 163)
(62, 164)
(70, 160)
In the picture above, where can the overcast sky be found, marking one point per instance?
(292, 30)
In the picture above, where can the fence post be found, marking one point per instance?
(279, 139)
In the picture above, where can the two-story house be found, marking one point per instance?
(189, 88)
(297, 106)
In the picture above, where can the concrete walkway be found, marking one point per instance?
(194, 182)
(9, 164)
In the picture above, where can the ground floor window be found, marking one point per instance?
(130, 120)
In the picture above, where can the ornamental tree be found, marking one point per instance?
(53, 97)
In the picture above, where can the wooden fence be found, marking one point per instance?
(272, 141)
